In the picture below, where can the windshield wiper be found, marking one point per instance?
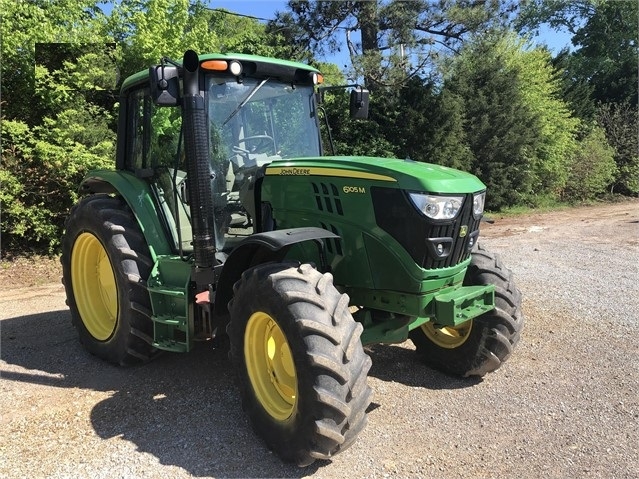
(246, 100)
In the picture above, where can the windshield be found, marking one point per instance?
(258, 121)
(251, 124)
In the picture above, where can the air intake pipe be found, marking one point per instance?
(198, 168)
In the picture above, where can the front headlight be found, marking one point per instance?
(437, 207)
(478, 203)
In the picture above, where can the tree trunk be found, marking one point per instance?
(370, 48)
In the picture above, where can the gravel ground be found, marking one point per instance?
(564, 405)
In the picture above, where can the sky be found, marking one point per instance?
(257, 8)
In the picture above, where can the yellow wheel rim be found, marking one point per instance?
(270, 366)
(449, 337)
(94, 287)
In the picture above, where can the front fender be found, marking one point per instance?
(258, 249)
(138, 195)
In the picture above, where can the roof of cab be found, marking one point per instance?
(143, 75)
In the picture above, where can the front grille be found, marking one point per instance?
(396, 214)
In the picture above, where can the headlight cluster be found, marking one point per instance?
(478, 203)
(446, 207)
(437, 207)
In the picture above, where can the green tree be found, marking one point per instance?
(500, 128)
(57, 77)
(245, 35)
(520, 132)
(151, 29)
(607, 51)
(29, 24)
(600, 74)
(576, 92)
(349, 136)
(620, 122)
(41, 168)
(430, 125)
(541, 92)
(605, 35)
(388, 40)
(147, 30)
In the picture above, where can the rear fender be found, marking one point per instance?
(138, 195)
(258, 249)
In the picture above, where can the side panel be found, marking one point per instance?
(340, 204)
(138, 195)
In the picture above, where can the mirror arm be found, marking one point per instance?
(328, 129)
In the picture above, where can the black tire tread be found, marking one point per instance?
(495, 333)
(333, 357)
(110, 219)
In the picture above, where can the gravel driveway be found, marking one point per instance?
(565, 404)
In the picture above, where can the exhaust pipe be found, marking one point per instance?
(198, 169)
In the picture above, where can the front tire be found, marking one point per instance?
(105, 265)
(300, 364)
(483, 344)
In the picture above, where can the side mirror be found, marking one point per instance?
(359, 103)
(165, 85)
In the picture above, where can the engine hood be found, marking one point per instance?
(405, 174)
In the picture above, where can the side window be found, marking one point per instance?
(165, 136)
(153, 136)
(153, 133)
(138, 144)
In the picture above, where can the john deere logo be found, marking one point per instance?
(463, 231)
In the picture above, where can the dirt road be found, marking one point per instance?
(564, 405)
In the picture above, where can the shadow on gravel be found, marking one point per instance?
(182, 409)
(396, 364)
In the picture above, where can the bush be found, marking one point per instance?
(620, 121)
(41, 170)
(592, 169)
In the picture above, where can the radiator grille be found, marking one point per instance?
(419, 235)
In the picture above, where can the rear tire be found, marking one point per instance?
(105, 265)
(482, 344)
(300, 364)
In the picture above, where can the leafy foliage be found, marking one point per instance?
(56, 114)
(352, 137)
(599, 77)
(430, 125)
(25, 26)
(620, 122)
(41, 169)
(577, 93)
(592, 168)
(605, 35)
(519, 132)
(388, 41)
(607, 52)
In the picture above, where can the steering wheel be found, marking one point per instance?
(259, 143)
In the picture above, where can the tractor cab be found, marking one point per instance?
(250, 122)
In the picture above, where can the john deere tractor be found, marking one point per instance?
(223, 222)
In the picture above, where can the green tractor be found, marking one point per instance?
(223, 222)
